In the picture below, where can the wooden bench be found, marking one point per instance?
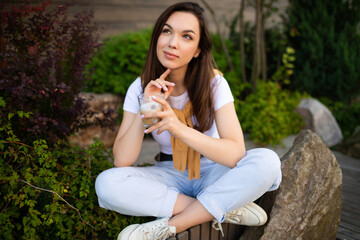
(206, 232)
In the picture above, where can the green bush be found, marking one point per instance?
(268, 115)
(48, 193)
(326, 38)
(233, 77)
(118, 62)
(346, 115)
(220, 58)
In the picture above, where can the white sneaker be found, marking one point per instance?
(248, 215)
(155, 230)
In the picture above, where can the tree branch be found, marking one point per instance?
(256, 67)
(242, 46)
(46, 190)
(263, 44)
(20, 143)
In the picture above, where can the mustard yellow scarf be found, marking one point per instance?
(182, 154)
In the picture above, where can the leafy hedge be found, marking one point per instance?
(325, 35)
(269, 113)
(233, 77)
(346, 115)
(118, 62)
(48, 193)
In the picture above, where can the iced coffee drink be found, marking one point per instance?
(149, 105)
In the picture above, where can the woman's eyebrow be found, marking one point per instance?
(185, 31)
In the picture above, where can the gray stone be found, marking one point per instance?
(308, 203)
(98, 103)
(319, 119)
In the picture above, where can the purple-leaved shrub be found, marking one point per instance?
(43, 54)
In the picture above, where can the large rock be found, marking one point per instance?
(319, 119)
(98, 103)
(85, 137)
(308, 203)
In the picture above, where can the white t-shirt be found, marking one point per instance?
(221, 96)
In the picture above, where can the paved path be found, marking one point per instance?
(349, 228)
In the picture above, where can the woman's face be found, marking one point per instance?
(178, 41)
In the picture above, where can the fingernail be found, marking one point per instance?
(159, 86)
(165, 88)
(142, 116)
(152, 97)
(146, 131)
(172, 83)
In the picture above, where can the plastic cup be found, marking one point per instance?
(149, 105)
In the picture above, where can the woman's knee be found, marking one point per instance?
(110, 180)
(102, 183)
(271, 159)
(265, 159)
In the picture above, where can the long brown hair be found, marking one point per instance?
(199, 72)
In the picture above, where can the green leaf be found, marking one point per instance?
(27, 114)
(290, 50)
(10, 115)
(20, 113)
(2, 102)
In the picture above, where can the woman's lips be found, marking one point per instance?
(170, 55)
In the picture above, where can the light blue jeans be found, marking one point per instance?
(152, 191)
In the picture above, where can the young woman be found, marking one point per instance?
(203, 171)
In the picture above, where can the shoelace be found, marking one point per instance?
(234, 217)
(161, 234)
(218, 227)
(230, 217)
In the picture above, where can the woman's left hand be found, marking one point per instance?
(169, 121)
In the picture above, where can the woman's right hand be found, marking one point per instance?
(155, 86)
